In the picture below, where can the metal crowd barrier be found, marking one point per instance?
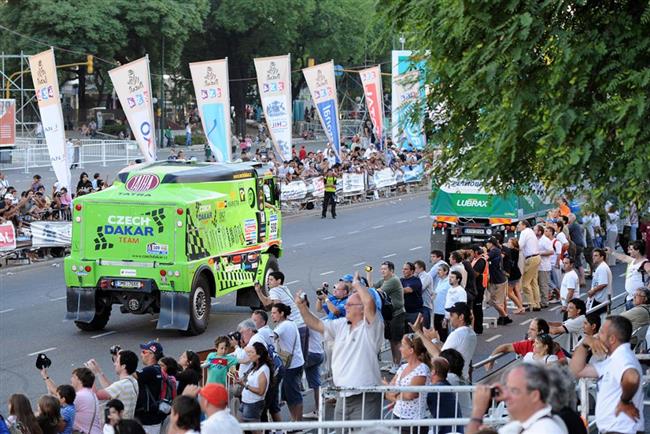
(610, 307)
(29, 154)
(326, 422)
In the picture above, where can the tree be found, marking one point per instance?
(114, 31)
(245, 29)
(553, 91)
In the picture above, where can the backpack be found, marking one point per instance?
(277, 361)
(386, 306)
(167, 392)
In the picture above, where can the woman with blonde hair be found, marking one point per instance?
(415, 372)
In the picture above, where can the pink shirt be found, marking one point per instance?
(87, 412)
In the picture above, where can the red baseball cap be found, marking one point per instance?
(215, 394)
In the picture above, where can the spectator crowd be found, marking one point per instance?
(431, 316)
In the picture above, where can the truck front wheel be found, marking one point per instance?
(102, 315)
(199, 307)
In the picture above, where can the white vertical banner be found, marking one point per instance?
(46, 85)
(212, 90)
(274, 82)
(407, 88)
(322, 86)
(371, 81)
(132, 83)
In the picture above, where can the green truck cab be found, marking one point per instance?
(168, 236)
(465, 213)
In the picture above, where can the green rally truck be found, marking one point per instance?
(465, 212)
(169, 235)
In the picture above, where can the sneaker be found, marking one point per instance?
(311, 415)
(393, 369)
(506, 320)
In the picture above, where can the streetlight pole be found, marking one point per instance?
(162, 89)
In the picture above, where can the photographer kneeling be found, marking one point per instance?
(334, 304)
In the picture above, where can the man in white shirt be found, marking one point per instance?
(573, 327)
(436, 262)
(528, 246)
(455, 293)
(638, 267)
(545, 266)
(570, 287)
(601, 282)
(619, 402)
(279, 293)
(213, 399)
(428, 295)
(125, 389)
(357, 341)
(461, 339)
(526, 394)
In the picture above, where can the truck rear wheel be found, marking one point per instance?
(199, 307)
(102, 315)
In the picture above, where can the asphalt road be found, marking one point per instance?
(32, 298)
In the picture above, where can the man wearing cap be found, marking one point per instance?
(461, 339)
(213, 399)
(334, 304)
(149, 386)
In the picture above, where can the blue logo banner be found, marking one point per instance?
(216, 130)
(327, 110)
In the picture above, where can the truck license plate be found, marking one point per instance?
(474, 231)
(127, 284)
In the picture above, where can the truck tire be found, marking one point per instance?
(102, 315)
(200, 304)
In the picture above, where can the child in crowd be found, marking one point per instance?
(220, 361)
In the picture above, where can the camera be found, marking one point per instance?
(235, 335)
(114, 349)
(322, 291)
(42, 361)
(494, 392)
(368, 268)
(107, 413)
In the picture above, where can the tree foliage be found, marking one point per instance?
(553, 91)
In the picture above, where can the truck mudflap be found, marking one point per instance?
(174, 310)
(80, 304)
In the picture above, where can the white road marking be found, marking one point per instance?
(353, 232)
(298, 244)
(292, 282)
(331, 237)
(103, 334)
(415, 248)
(525, 322)
(389, 255)
(378, 227)
(58, 298)
(401, 221)
(493, 338)
(422, 217)
(41, 351)
(553, 309)
(355, 265)
(327, 272)
(7, 310)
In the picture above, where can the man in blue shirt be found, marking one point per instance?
(334, 304)
(413, 302)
